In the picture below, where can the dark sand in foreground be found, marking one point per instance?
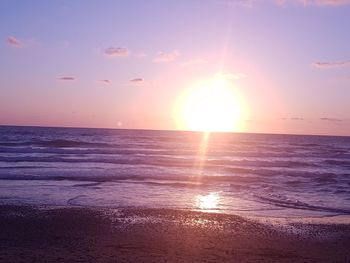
(30, 234)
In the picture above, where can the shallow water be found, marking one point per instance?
(250, 174)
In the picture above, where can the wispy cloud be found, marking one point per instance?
(106, 81)
(252, 3)
(137, 80)
(244, 3)
(116, 52)
(331, 119)
(166, 56)
(293, 119)
(325, 2)
(333, 64)
(14, 42)
(193, 62)
(67, 78)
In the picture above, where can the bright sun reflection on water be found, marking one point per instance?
(208, 202)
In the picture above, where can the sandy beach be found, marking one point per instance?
(43, 234)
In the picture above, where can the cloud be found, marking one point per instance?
(331, 119)
(325, 2)
(137, 80)
(106, 81)
(166, 57)
(293, 119)
(244, 3)
(252, 3)
(116, 52)
(315, 2)
(193, 62)
(334, 64)
(14, 42)
(67, 78)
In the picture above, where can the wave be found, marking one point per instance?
(166, 159)
(71, 143)
(23, 167)
(71, 200)
(339, 156)
(337, 162)
(306, 144)
(281, 201)
(242, 178)
(228, 168)
(66, 151)
(60, 143)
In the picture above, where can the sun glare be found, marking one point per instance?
(209, 201)
(210, 106)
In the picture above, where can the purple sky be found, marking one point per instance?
(125, 63)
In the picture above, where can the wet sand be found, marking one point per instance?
(33, 234)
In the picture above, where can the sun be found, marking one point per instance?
(212, 105)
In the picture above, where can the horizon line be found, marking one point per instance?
(168, 130)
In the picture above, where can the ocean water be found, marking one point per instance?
(249, 174)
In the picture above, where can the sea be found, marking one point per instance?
(234, 173)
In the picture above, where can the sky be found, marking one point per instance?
(127, 64)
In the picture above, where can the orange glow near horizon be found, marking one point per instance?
(214, 105)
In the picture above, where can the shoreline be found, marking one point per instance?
(80, 234)
(325, 219)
